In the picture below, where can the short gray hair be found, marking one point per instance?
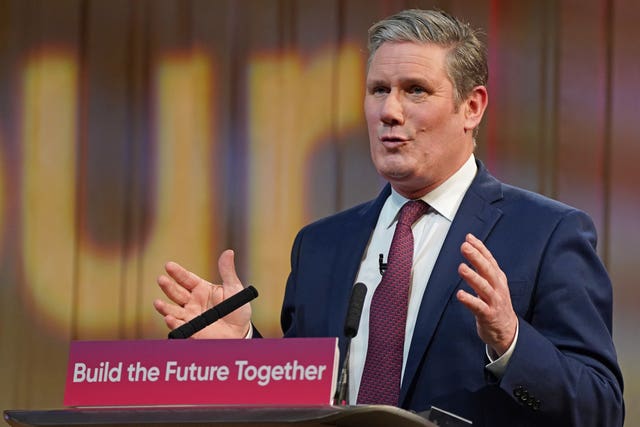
(467, 57)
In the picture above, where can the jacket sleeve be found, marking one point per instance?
(564, 368)
(288, 313)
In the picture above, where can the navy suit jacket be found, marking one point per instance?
(564, 368)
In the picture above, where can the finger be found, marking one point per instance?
(226, 266)
(481, 264)
(483, 261)
(168, 309)
(484, 251)
(182, 276)
(172, 322)
(481, 286)
(173, 291)
(474, 304)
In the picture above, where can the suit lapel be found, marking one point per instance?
(476, 215)
(355, 237)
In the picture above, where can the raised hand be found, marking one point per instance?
(193, 295)
(496, 320)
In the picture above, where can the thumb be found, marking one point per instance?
(227, 268)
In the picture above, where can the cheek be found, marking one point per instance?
(376, 151)
(424, 122)
(370, 116)
(372, 108)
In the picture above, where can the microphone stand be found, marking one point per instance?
(351, 323)
(341, 397)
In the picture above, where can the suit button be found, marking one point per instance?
(536, 405)
(517, 392)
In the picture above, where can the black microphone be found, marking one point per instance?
(382, 265)
(352, 321)
(214, 313)
(351, 324)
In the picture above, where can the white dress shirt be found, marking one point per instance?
(429, 233)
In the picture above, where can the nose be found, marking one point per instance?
(391, 111)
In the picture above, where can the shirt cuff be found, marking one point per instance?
(498, 365)
(250, 333)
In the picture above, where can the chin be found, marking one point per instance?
(392, 166)
(398, 176)
(395, 170)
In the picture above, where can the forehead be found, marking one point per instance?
(408, 59)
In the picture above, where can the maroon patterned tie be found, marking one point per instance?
(380, 382)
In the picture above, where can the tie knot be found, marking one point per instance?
(411, 211)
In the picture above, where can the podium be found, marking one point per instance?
(234, 383)
(218, 416)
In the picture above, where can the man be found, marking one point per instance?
(507, 309)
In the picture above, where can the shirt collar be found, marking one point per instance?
(444, 199)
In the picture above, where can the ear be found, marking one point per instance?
(474, 107)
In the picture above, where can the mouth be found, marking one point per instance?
(393, 141)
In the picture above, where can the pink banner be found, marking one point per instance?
(294, 371)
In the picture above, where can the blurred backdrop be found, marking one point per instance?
(133, 132)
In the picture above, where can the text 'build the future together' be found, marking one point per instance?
(242, 370)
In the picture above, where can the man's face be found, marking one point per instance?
(418, 138)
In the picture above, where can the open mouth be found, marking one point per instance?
(391, 141)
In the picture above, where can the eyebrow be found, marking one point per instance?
(420, 81)
(376, 82)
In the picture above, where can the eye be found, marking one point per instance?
(417, 90)
(379, 90)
